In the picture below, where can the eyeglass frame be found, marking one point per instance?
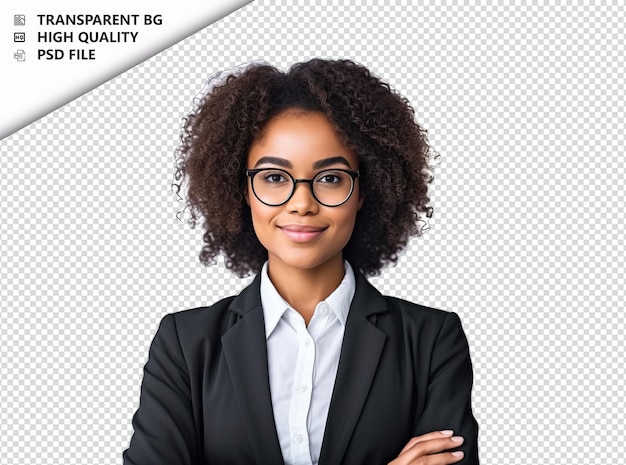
(253, 172)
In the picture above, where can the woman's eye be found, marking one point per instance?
(274, 177)
(329, 178)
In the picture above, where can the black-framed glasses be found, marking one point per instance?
(274, 186)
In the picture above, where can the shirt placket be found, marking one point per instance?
(301, 399)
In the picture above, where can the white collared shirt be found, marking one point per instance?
(302, 364)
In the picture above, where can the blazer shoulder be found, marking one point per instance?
(201, 322)
(428, 322)
(206, 311)
(416, 311)
(395, 311)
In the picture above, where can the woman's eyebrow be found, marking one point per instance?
(274, 161)
(330, 161)
(319, 164)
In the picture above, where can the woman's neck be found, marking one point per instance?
(303, 289)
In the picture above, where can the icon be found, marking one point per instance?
(19, 20)
(20, 55)
(19, 37)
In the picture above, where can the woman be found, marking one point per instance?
(310, 179)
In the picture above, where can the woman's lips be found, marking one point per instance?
(301, 233)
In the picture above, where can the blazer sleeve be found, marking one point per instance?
(164, 431)
(448, 401)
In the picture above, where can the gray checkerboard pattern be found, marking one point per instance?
(525, 103)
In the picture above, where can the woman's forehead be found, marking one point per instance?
(300, 138)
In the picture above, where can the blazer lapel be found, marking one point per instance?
(245, 351)
(360, 353)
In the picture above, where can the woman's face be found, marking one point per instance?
(301, 233)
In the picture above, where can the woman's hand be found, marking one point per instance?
(429, 449)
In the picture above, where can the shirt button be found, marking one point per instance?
(298, 438)
(303, 388)
(307, 342)
(323, 309)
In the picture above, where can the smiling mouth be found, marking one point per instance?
(301, 233)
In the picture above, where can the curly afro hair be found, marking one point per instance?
(369, 117)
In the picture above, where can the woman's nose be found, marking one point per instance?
(302, 200)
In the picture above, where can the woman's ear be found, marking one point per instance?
(361, 200)
(246, 195)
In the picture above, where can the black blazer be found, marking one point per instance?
(404, 370)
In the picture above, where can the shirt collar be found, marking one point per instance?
(274, 306)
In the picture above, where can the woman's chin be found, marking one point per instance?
(305, 261)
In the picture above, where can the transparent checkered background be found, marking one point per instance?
(525, 105)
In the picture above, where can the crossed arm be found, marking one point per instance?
(449, 403)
